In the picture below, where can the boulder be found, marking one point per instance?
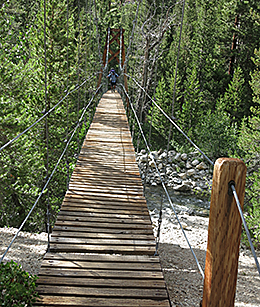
(184, 156)
(191, 172)
(182, 187)
(183, 175)
(177, 157)
(195, 162)
(201, 166)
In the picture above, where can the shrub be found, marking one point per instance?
(17, 287)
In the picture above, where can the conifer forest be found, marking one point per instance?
(198, 59)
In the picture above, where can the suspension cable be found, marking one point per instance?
(163, 184)
(120, 53)
(97, 35)
(245, 225)
(46, 130)
(50, 177)
(67, 101)
(171, 120)
(47, 113)
(132, 35)
(175, 78)
(108, 41)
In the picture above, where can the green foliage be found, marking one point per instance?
(249, 142)
(17, 287)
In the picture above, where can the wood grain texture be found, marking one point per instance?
(102, 246)
(224, 233)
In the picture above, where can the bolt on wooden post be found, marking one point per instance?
(224, 234)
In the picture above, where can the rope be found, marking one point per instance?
(49, 179)
(170, 119)
(245, 226)
(163, 185)
(47, 113)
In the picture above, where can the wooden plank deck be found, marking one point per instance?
(102, 246)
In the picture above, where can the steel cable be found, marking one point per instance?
(132, 35)
(47, 113)
(46, 129)
(245, 226)
(163, 185)
(50, 177)
(171, 120)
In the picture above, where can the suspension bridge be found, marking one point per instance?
(102, 250)
(102, 246)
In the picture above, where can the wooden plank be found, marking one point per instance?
(82, 218)
(101, 282)
(107, 249)
(88, 241)
(134, 266)
(158, 294)
(104, 225)
(102, 258)
(98, 302)
(95, 273)
(123, 211)
(120, 216)
(79, 228)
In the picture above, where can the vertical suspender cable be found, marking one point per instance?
(86, 57)
(97, 35)
(78, 62)
(120, 55)
(175, 79)
(108, 39)
(46, 129)
(67, 90)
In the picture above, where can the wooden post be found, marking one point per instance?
(224, 233)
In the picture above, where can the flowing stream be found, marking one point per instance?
(183, 203)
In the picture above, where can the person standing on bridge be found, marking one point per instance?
(113, 78)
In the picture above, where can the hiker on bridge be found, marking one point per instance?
(113, 78)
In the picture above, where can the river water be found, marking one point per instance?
(183, 203)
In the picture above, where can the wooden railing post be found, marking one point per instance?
(224, 233)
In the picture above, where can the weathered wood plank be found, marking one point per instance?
(102, 246)
(98, 302)
(102, 258)
(101, 282)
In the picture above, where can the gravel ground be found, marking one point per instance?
(183, 279)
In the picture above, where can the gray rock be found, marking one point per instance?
(191, 172)
(152, 163)
(160, 166)
(183, 175)
(177, 180)
(177, 157)
(184, 156)
(201, 166)
(195, 162)
(188, 165)
(143, 158)
(182, 187)
(154, 155)
(163, 156)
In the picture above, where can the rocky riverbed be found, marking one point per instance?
(181, 172)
